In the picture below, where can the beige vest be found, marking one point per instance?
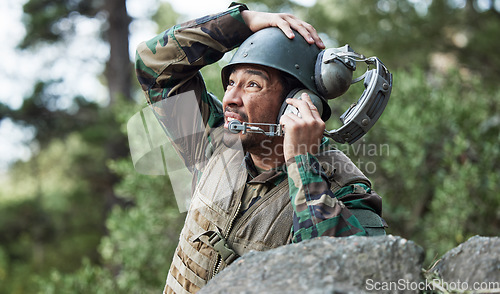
(214, 235)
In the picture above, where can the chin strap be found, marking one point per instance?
(275, 130)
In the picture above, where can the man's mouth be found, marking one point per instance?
(231, 117)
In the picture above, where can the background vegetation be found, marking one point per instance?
(77, 218)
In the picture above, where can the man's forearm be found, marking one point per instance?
(170, 59)
(317, 210)
(169, 64)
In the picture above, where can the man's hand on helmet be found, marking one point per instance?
(256, 21)
(303, 132)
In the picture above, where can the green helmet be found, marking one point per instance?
(272, 48)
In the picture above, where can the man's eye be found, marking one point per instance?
(253, 84)
(230, 83)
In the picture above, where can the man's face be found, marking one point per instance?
(253, 95)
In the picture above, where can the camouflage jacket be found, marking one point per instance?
(169, 64)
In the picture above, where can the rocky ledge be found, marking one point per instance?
(385, 264)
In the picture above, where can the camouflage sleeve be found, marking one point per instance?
(168, 65)
(317, 210)
(167, 62)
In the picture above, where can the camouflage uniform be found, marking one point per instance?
(236, 208)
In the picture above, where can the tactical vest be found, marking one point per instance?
(214, 234)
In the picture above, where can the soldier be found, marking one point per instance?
(251, 191)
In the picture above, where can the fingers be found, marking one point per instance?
(303, 28)
(309, 33)
(302, 134)
(314, 110)
(286, 28)
(286, 22)
(306, 107)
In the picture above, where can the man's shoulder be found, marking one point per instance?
(340, 169)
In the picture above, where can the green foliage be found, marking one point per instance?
(142, 233)
(165, 16)
(40, 111)
(47, 216)
(48, 21)
(88, 279)
(142, 237)
(440, 176)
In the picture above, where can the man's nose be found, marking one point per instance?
(233, 97)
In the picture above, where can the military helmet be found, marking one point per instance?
(272, 48)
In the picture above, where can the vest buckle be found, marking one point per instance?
(217, 242)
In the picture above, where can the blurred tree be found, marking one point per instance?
(54, 21)
(54, 206)
(49, 22)
(136, 254)
(40, 111)
(70, 191)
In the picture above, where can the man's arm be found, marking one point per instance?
(317, 210)
(169, 65)
(320, 212)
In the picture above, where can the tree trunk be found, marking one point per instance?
(118, 69)
(118, 74)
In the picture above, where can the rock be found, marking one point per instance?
(475, 261)
(326, 265)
